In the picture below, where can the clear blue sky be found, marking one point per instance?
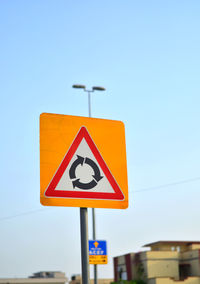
(146, 54)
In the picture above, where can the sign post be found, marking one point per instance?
(84, 245)
(82, 164)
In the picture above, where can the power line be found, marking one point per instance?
(22, 214)
(134, 191)
(167, 185)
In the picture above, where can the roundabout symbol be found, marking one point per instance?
(96, 176)
(83, 178)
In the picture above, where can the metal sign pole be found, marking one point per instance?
(93, 209)
(89, 110)
(94, 238)
(84, 245)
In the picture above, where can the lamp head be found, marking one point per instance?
(96, 88)
(78, 86)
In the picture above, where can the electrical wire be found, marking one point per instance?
(167, 185)
(134, 191)
(22, 214)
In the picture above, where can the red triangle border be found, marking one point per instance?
(51, 192)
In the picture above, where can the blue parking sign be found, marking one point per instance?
(97, 252)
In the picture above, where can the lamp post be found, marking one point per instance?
(95, 88)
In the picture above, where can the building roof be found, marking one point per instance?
(48, 274)
(42, 277)
(172, 243)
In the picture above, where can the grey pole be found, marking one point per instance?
(84, 245)
(89, 103)
(93, 209)
(94, 238)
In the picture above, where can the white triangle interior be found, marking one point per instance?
(83, 173)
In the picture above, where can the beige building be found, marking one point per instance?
(166, 262)
(43, 277)
(76, 279)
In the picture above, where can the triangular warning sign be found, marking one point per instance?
(83, 173)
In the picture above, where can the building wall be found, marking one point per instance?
(175, 260)
(115, 264)
(162, 264)
(42, 277)
(32, 281)
(140, 264)
(194, 247)
(169, 247)
(192, 258)
(123, 267)
(189, 280)
(148, 264)
(163, 247)
(100, 281)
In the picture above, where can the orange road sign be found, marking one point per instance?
(82, 162)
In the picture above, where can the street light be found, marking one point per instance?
(78, 86)
(98, 88)
(95, 88)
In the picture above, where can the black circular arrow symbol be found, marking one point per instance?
(96, 177)
(72, 170)
(86, 186)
